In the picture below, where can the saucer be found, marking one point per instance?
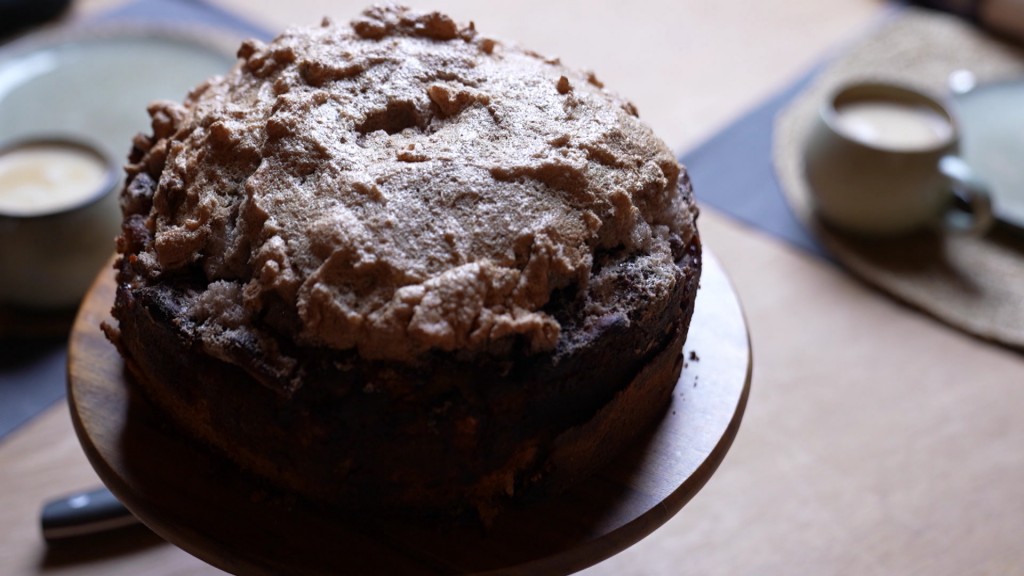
(992, 142)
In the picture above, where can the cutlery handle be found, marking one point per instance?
(83, 513)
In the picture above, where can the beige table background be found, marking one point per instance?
(876, 441)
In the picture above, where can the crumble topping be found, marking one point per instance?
(398, 185)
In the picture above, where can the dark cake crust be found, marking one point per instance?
(444, 437)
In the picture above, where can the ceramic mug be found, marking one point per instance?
(58, 219)
(882, 160)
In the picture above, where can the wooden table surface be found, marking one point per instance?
(875, 441)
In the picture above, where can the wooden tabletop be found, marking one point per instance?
(875, 440)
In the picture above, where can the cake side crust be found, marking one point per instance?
(439, 455)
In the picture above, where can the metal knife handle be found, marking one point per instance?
(83, 513)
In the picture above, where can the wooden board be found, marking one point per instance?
(206, 507)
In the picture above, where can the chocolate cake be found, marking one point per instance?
(397, 266)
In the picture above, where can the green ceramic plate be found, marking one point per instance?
(93, 83)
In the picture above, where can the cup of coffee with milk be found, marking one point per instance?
(882, 161)
(58, 219)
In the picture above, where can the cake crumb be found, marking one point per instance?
(563, 85)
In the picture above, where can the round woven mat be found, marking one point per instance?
(973, 284)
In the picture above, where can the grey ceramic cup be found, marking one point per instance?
(48, 259)
(866, 185)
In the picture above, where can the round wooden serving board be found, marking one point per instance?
(211, 510)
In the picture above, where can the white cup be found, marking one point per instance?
(881, 161)
(58, 219)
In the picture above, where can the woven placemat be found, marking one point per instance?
(973, 284)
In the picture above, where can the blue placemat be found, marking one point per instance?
(32, 376)
(183, 12)
(33, 372)
(733, 173)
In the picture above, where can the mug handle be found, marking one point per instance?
(977, 217)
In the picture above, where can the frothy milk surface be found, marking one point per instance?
(44, 178)
(893, 125)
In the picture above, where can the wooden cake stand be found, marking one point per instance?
(204, 506)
